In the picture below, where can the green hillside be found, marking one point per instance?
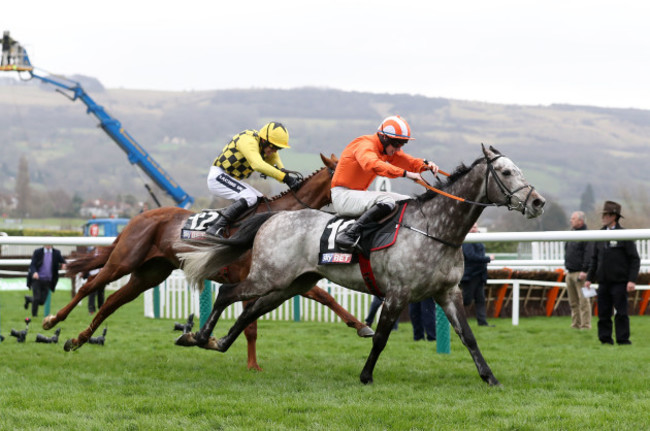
(561, 148)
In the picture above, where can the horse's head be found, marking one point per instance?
(321, 182)
(314, 192)
(506, 185)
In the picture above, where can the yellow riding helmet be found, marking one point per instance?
(276, 134)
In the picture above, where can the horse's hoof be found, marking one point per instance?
(493, 382)
(365, 332)
(49, 322)
(211, 344)
(221, 346)
(366, 380)
(186, 340)
(254, 366)
(70, 345)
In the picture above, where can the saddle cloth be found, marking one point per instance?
(196, 225)
(375, 236)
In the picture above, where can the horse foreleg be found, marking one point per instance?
(321, 296)
(455, 312)
(389, 315)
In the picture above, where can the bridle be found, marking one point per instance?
(511, 201)
(507, 193)
(509, 196)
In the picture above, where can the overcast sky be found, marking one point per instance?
(587, 52)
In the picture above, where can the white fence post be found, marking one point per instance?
(515, 303)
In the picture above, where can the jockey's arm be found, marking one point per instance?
(250, 150)
(413, 167)
(410, 163)
(274, 160)
(369, 160)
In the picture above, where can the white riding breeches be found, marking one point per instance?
(225, 186)
(353, 203)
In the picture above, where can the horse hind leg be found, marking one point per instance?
(203, 338)
(228, 294)
(139, 281)
(263, 305)
(124, 258)
(455, 312)
(250, 314)
(251, 342)
(95, 283)
(321, 296)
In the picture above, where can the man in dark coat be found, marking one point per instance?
(474, 277)
(43, 275)
(615, 266)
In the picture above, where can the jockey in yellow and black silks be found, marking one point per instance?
(247, 152)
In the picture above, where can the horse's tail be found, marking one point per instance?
(86, 262)
(246, 232)
(212, 254)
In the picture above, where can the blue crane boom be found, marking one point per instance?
(113, 128)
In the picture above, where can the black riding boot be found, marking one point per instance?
(349, 238)
(228, 215)
(28, 300)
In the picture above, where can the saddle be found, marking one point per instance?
(196, 224)
(374, 236)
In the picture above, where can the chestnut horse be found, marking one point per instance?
(148, 249)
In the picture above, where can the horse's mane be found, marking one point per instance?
(276, 197)
(460, 171)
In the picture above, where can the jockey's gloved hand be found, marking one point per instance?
(291, 181)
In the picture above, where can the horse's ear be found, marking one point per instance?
(494, 150)
(485, 152)
(334, 158)
(330, 163)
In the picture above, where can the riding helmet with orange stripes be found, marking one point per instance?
(395, 127)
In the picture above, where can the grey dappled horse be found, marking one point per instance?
(422, 264)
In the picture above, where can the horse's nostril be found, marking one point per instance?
(539, 203)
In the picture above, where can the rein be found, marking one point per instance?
(508, 194)
(448, 195)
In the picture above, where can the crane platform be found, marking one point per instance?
(15, 68)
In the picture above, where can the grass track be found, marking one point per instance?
(553, 378)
